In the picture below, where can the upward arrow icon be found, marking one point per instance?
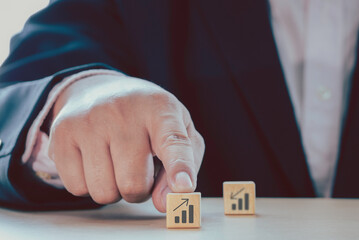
(186, 200)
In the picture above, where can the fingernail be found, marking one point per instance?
(183, 182)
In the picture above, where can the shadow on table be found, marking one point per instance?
(116, 214)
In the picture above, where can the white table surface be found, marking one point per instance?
(275, 219)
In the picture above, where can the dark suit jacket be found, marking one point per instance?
(218, 57)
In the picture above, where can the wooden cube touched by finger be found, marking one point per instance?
(239, 198)
(183, 210)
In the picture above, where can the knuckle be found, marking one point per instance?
(77, 189)
(180, 164)
(135, 192)
(87, 119)
(164, 100)
(98, 111)
(94, 116)
(105, 196)
(161, 96)
(58, 128)
(62, 129)
(200, 141)
(186, 116)
(176, 138)
(199, 150)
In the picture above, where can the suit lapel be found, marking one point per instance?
(243, 35)
(347, 168)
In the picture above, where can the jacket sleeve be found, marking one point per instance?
(66, 37)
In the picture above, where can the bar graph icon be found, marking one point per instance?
(184, 213)
(183, 210)
(240, 206)
(239, 197)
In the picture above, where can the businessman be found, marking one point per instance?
(103, 100)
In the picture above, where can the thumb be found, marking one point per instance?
(174, 148)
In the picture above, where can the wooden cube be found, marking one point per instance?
(183, 210)
(239, 197)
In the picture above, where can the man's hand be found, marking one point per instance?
(106, 131)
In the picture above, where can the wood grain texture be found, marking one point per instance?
(183, 210)
(239, 198)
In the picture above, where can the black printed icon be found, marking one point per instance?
(189, 210)
(239, 204)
